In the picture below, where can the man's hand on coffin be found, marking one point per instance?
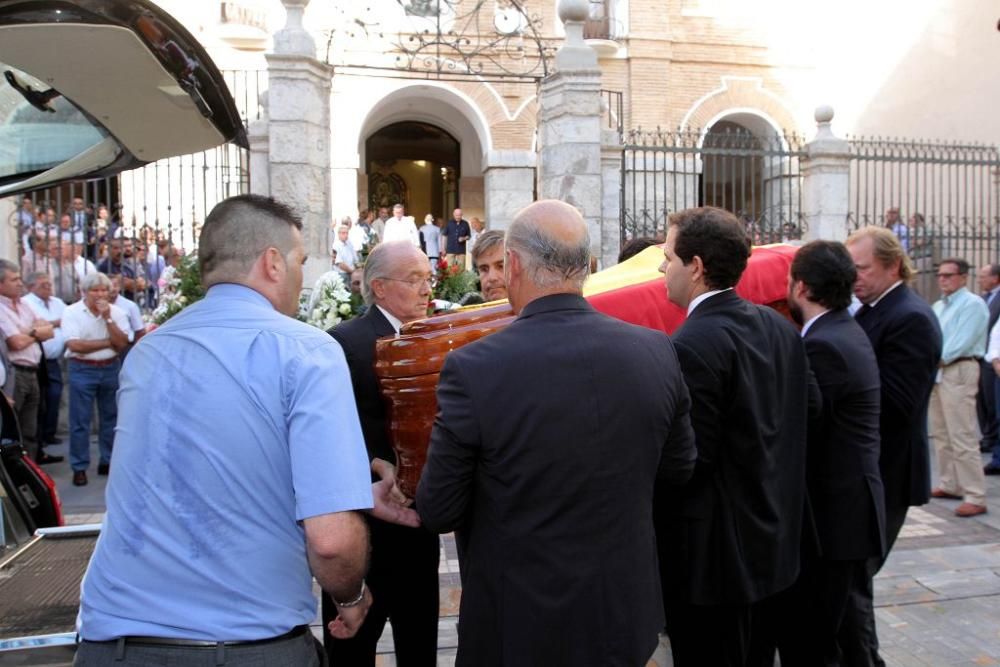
(390, 503)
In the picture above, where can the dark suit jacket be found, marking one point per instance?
(906, 337)
(994, 311)
(732, 534)
(543, 456)
(845, 486)
(357, 337)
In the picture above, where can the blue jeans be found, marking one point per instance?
(85, 384)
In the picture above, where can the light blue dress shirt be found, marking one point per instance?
(235, 422)
(964, 318)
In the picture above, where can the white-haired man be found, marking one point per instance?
(96, 334)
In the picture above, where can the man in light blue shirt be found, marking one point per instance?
(49, 308)
(952, 421)
(244, 479)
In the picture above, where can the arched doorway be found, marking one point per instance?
(752, 170)
(414, 163)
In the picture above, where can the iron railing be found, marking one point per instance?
(157, 211)
(755, 177)
(945, 196)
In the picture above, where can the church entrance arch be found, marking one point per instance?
(416, 164)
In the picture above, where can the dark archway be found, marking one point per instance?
(416, 164)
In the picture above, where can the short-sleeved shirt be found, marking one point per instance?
(454, 230)
(79, 323)
(255, 429)
(134, 314)
(16, 319)
(52, 311)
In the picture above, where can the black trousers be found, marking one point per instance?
(986, 404)
(717, 635)
(403, 580)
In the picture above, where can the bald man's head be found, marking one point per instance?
(553, 243)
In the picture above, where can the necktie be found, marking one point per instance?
(862, 311)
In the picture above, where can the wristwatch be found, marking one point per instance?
(109, 321)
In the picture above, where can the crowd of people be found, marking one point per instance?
(738, 483)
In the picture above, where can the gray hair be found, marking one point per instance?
(547, 262)
(33, 277)
(378, 266)
(484, 243)
(92, 280)
(7, 266)
(237, 231)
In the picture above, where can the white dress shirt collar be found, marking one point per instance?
(393, 320)
(701, 297)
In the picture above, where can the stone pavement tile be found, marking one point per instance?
(901, 589)
(963, 583)
(932, 560)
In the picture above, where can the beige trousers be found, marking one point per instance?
(954, 431)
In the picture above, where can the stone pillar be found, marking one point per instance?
(298, 111)
(825, 182)
(260, 152)
(611, 198)
(509, 185)
(569, 126)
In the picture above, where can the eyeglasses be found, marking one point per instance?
(415, 283)
(947, 275)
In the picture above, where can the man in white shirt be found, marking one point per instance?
(398, 228)
(131, 308)
(96, 334)
(49, 308)
(346, 258)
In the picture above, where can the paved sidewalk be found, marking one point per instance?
(937, 598)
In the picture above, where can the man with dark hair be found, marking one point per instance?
(396, 285)
(635, 246)
(550, 485)
(730, 539)
(989, 288)
(842, 476)
(245, 483)
(953, 424)
(487, 262)
(906, 338)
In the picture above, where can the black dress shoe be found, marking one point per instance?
(990, 469)
(44, 458)
(103, 468)
(80, 478)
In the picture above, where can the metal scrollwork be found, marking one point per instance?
(492, 40)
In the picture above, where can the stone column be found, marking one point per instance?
(509, 185)
(260, 152)
(569, 126)
(611, 198)
(299, 133)
(825, 182)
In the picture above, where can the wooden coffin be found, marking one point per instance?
(408, 365)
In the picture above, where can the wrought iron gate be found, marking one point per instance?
(756, 178)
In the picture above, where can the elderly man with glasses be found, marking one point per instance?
(403, 576)
(953, 424)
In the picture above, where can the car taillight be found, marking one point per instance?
(51, 486)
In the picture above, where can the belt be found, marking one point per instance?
(25, 368)
(95, 362)
(297, 631)
(955, 361)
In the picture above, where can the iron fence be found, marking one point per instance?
(755, 177)
(941, 200)
(155, 212)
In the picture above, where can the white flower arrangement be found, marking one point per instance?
(328, 303)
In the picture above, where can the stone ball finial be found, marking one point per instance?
(573, 10)
(824, 113)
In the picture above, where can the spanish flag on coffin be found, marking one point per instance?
(634, 290)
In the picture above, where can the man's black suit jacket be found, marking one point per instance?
(906, 337)
(845, 486)
(543, 456)
(357, 338)
(732, 534)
